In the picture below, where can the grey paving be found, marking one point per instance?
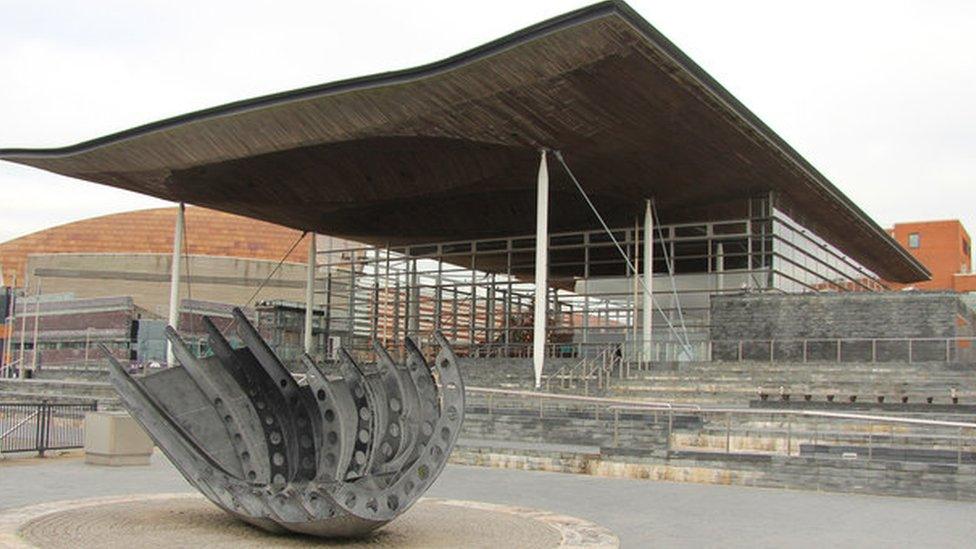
(641, 513)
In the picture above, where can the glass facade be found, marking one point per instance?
(480, 293)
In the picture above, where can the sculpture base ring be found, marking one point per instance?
(190, 520)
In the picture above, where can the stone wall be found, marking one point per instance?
(824, 318)
(508, 373)
(835, 315)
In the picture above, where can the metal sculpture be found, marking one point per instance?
(337, 453)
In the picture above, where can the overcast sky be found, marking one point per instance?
(880, 96)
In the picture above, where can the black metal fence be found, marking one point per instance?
(38, 427)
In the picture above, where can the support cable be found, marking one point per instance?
(630, 265)
(274, 271)
(669, 261)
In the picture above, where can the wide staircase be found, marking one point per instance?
(63, 383)
(740, 383)
(700, 422)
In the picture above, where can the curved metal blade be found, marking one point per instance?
(336, 453)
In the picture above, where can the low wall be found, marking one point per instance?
(923, 480)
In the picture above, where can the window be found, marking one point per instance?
(913, 240)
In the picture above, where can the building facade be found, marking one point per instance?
(945, 247)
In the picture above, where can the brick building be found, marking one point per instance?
(129, 256)
(945, 248)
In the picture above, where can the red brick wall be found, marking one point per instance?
(941, 250)
(964, 283)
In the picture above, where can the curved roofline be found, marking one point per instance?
(350, 84)
(602, 9)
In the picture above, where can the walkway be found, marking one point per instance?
(641, 513)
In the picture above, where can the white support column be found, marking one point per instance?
(720, 267)
(541, 270)
(37, 321)
(648, 308)
(413, 309)
(310, 293)
(174, 280)
(10, 323)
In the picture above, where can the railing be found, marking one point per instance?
(881, 349)
(10, 370)
(41, 427)
(598, 368)
(785, 432)
(892, 349)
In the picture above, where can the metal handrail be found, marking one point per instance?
(636, 404)
(615, 406)
(563, 371)
(951, 348)
(582, 371)
(9, 366)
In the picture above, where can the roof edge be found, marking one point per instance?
(602, 9)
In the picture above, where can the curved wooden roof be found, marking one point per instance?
(449, 150)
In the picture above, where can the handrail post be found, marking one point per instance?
(670, 428)
(816, 435)
(959, 449)
(489, 404)
(616, 422)
(728, 432)
(789, 435)
(42, 428)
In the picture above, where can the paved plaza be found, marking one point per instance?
(640, 513)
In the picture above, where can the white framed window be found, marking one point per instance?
(914, 241)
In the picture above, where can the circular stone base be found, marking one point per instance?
(186, 520)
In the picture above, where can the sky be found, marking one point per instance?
(879, 96)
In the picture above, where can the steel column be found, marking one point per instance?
(310, 292)
(174, 280)
(541, 269)
(648, 332)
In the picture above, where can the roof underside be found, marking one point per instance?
(450, 150)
